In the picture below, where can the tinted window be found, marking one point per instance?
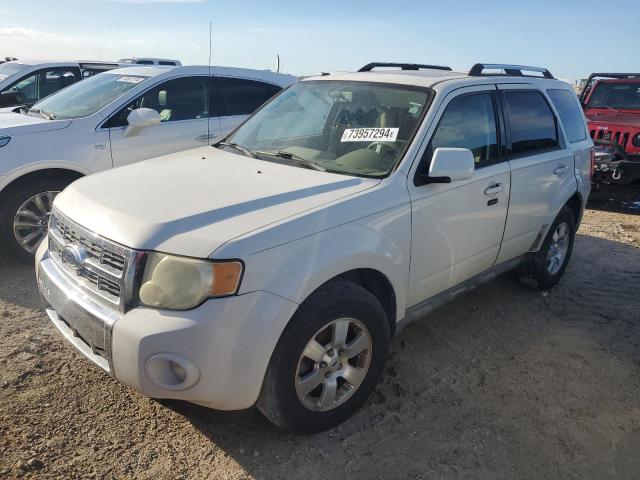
(469, 121)
(57, 79)
(162, 62)
(175, 100)
(566, 104)
(243, 97)
(144, 62)
(533, 126)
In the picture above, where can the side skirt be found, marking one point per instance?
(425, 307)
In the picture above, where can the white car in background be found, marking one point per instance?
(24, 82)
(113, 119)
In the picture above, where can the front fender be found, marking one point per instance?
(296, 269)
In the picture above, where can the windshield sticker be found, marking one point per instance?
(370, 135)
(131, 79)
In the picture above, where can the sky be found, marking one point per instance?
(571, 38)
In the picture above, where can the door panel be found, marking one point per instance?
(457, 227)
(455, 233)
(158, 140)
(541, 184)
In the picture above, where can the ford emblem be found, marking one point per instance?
(74, 256)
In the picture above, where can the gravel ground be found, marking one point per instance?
(504, 382)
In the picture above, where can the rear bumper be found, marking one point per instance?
(222, 347)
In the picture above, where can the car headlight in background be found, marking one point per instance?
(4, 141)
(636, 140)
(180, 283)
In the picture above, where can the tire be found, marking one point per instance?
(282, 399)
(537, 272)
(13, 200)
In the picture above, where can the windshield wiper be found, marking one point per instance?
(42, 113)
(240, 148)
(290, 156)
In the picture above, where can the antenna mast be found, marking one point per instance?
(209, 85)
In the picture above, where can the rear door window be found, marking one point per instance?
(568, 108)
(531, 121)
(243, 97)
(57, 79)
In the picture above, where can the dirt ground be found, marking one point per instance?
(503, 383)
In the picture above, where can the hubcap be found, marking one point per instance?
(333, 364)
(558, 248)
(32, 219)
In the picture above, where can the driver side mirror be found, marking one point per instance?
(451, 165)
(141, 118)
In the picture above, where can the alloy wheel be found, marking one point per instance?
(32, 219)
(558, 248)
(333, 364)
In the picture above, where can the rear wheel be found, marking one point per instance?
(546, 267)
(24, 216)
(328, 359)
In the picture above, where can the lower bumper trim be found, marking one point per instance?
(77, 341)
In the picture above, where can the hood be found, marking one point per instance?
(12, 123)
(190, 203)
(610, 117)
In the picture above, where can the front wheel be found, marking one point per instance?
(546, 267)
(24, 216)
(328, 359)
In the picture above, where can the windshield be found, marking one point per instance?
(88, 96)
(624, 95)
(10, 68)
(355, 128)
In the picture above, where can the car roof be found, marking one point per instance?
(430, 78)
(153, 70)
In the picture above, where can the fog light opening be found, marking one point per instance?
(178, 371)
(171, 372)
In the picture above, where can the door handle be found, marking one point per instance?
(493, 189)
(205, 137)
(560, 170)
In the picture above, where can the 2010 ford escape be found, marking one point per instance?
(275, 268)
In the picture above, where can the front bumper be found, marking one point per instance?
(615, 166)
(228, 340)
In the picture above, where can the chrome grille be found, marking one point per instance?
(104, 270)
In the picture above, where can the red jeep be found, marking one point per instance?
(611, 103)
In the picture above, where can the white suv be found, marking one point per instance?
(276, 268)
(112, 119)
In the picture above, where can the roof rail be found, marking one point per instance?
(589, 84)
(509, 70)
(403, 66)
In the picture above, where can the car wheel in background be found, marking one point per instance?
(24, 216)
(328, 359)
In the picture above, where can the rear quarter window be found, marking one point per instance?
(570, 113)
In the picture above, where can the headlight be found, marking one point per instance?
(636, 140)
(180, 283)
(4, 141)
